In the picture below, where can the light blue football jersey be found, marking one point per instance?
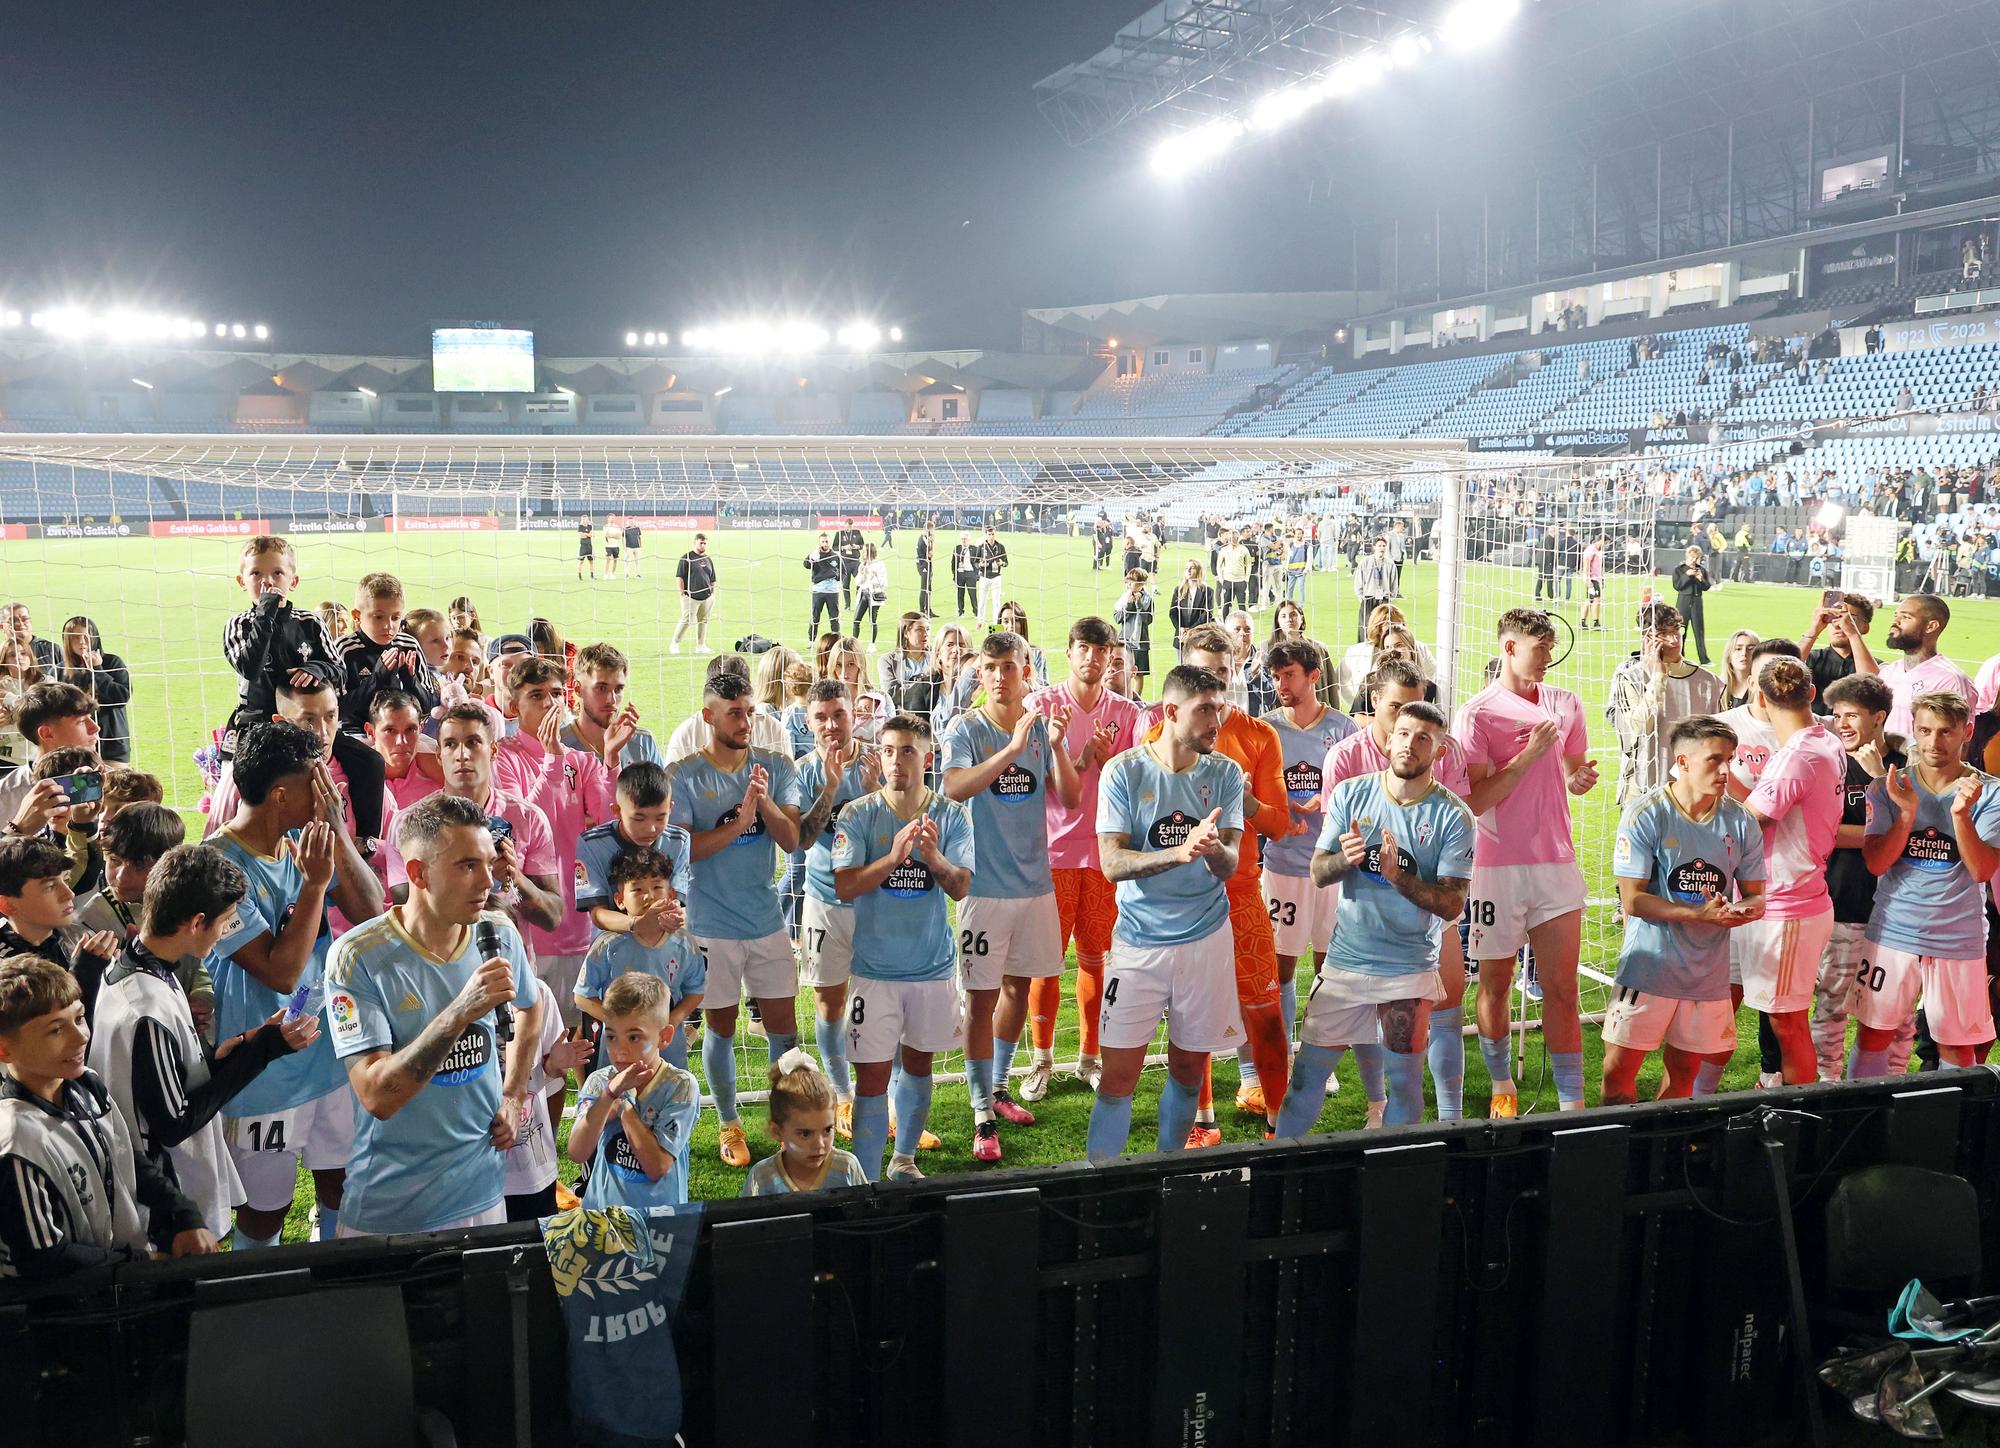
(1682, 859)
(243, 1003)
(1010, 817)
(1377, 929)
(641, 748)
(669, 1107)
(432, 1162)
(819, 852)
(1154, 809)
(1304, 764)
(1928, 903)
(602, 844)
(901, 929)
(767, 1178)
(733, 896)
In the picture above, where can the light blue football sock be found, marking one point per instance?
(1288, 1006)
(1305, 1094)
(1499, 1058)
(1177, 1106)
(831, 1038)
(1707, 1076)
(718, 1063)
(1372, 1061)
(1863, 1064)
(871, 1133)
(1246, 1067)
(329, 1224)
(1405, 1070)
(241, 1241)
(1110, 1127)
(1003, 1062)
(979, 1084)
(913, 1109)
(1447, 1062)
(779, 1042)
(1567, 1068)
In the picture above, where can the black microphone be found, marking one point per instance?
(486, 935)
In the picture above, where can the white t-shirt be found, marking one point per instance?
(530, 1164)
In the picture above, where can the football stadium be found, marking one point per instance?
(1261, 908)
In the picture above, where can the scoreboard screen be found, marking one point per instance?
(482, 359)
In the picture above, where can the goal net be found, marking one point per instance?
(142, 533)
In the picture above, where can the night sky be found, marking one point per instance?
(354, 173)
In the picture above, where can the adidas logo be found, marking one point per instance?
(410, 1002)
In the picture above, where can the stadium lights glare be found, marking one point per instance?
(859, 336)
(365, 391)
(724, 391)
(263, 332)
(652, 339)
(1472, 23)
(142, 382)
(631, 339)
(895, 334)
(1179, 154)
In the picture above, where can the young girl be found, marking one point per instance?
(105, 678)
(1014, 619)
(18, 673)
(1736, 667)
(910, 661)
(871, 591)
(802, 1112)
(464, 615)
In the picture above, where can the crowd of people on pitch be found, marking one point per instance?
(445, 870)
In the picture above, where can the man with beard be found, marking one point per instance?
(1399, 845)
(1915, 632)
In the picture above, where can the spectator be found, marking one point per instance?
(18, 673)
(1193, 603)
(1133, 614)
(21, 628)
(1652, 691)
(695, 576)
(965, 574)
(1374, 584)
(871, 591)
(106, 679)
(1915, 632)
(1691, 581)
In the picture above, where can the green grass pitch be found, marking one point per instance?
(162, 604)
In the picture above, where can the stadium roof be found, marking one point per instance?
(1209, 316)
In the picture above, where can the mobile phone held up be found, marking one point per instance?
(86, 786)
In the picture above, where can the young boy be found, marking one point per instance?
(167, 1082)
(133, 841)
(74, 1192)
(40, 911)
(651, 944)
(647, 1105)
(1682, 849)
(271, 642)
(74, 826)
(639, 822)
(379, 653)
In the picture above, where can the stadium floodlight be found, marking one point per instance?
(724, 391)
(237, 330)
(142, 382)
(651, 338)
(200, 329)
(222, 329)
(631, 339)
(365, 391)
(13, 318)
(1472, 23)
(262, 331)
(1282, 107)
(859, 336)
(1406, 50)
(895, 334)
(1180, 154)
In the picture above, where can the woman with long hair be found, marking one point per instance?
(1014, 618)
(1360, 657)
(1288, 622)
(1397, 643)
(18, 673)
(871, 591)
(1193, 601)
(338, 620)
(953, 676)
(910, 660)
(1736, 667)
(106, 679)
(464, 615)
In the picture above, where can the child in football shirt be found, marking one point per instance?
(802, 1106)
(271, 642)
(1526, 752)
(1169, 826)
(897, 854)
(1399, 845)
(1684, 849)
(379, 654)
(1005, 762)
(641, 883)
(638, 822)
(739, 805)
(75, 1192)
(1930, 839)
(640, 1107)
